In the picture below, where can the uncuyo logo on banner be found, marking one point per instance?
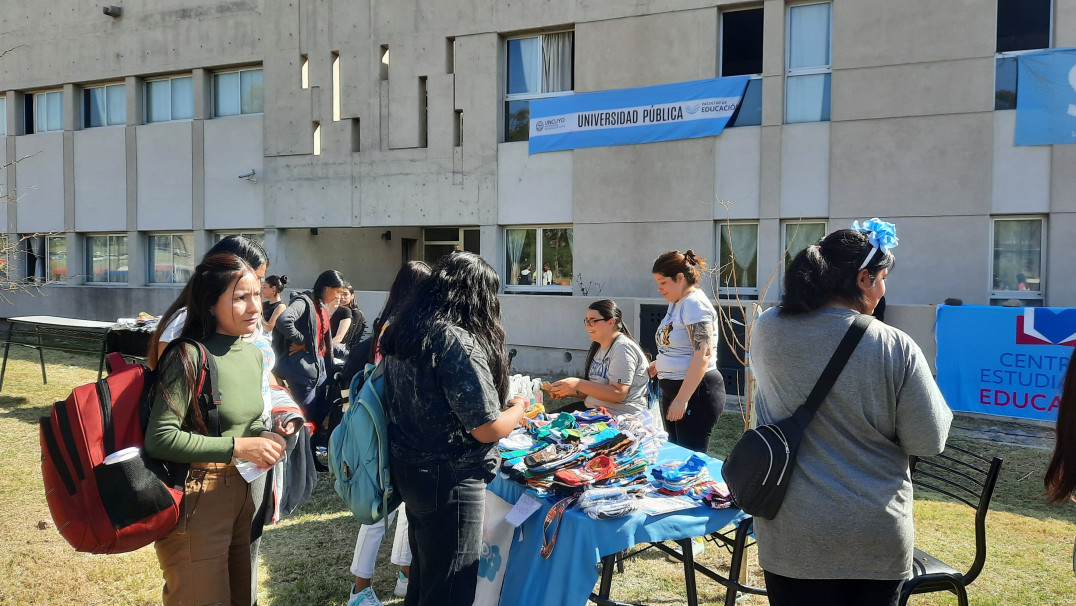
(1046, 327)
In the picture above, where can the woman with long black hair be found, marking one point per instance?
(206, 557)
(446, 386)
(369, 539)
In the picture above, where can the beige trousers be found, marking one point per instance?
(206, 557)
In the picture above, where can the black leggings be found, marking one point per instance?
(785, 591)
(704, 406)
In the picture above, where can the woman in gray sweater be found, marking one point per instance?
(844, 534)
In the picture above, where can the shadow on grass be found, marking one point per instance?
(307, 556)
(17, 408)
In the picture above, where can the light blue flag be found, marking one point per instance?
(684, 110)
(1046, 97)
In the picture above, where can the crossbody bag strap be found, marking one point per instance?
(837, 362)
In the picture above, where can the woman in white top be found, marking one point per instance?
(615, 372)
(692, 389)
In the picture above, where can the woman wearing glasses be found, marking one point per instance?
(615, 372)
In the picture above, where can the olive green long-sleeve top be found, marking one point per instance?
(239, 379)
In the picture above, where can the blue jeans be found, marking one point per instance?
(445, 503)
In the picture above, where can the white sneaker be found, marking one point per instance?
(401, 585)
(365, 597)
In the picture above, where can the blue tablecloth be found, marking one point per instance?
(567, 578)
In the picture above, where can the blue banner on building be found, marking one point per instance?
(685, 110)
(1046, 97)
(1006, 361)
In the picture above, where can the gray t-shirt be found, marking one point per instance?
(675, 349)
(848, 511)
(622, 362)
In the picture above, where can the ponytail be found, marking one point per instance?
(829, 270)
(673, 262)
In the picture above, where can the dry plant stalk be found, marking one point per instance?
(740, 348)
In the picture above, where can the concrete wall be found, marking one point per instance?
(233, 147)
(165, 176)
(101, 179)
(39, 189)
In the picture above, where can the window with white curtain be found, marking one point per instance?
(537, 67)
(169, 99)
(238, 92)
(808, 62)
(104, 106)
(799, 235)
(3, 115)
(538, 259)
(48, 112)
(1022, 26)
(738, 258)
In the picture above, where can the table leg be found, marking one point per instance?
(689, 571)
(743, 530)
(7, 346)
(41, 354)
(608, 564)
(104, 349)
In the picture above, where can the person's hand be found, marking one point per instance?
(518, 401)
(653, 369)
(286, 430)
(263, 451)
(564, 388)
(676, 410)
(295, 348)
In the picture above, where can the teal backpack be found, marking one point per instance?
(359, 450)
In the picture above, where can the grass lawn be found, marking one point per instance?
(305, 559)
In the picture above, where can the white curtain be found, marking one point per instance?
(807, 98)
(557, 62)
(808, 36)
(35, 257)
(516, 238)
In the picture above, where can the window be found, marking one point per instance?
(3, 115)
(257, 236)
(47, 113)
(738, 258)
(1018, 245)
(104, 106)
(1023, 25)
(538, 258)
(171, 258)
(537, 67)
(56, 261)
(437, 242)
(106, 258)
(239, 92)
(170, 99)
(808, 63)
(799, 235)
(741, 55)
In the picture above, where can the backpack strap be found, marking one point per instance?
(206, 392)
(837, 362)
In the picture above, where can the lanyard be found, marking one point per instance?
(555, 513)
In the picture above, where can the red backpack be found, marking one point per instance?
(129, 501)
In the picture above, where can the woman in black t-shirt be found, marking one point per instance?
(272, 286)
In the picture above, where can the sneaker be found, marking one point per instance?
(365, 597)
(401, 585)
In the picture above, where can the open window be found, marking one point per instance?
(536, 67)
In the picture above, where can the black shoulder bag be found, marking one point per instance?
(759, 467)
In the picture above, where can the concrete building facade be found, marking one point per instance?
(354, 135)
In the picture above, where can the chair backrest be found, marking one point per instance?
(968, 478)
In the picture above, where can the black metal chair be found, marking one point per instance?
(970, 479)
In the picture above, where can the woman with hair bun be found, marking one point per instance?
(272, 287)
(692, 389)
(844, 533)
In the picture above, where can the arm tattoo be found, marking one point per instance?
(701, 335)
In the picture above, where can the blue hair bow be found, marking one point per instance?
(882, 234)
